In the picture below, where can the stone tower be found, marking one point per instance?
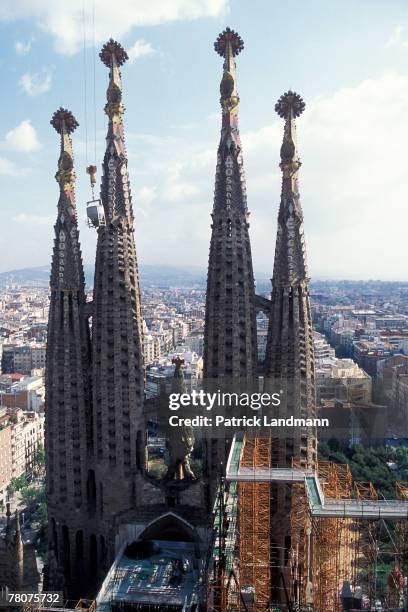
(117, 358)
(230, 325)
(289, 362)
(18, 566)
(68, 417)
(230, 351)
(101, 496)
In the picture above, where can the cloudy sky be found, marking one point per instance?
(347, 58)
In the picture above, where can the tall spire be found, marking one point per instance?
(290, 253)
(117, 363)
(230, 348)
(289, 361)
(289, 350)
(228, 45)
(230, 189)
(113, 56)
(67, 271)
(115, 190)
(230, 330)
(67, 399)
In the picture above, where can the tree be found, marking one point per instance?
(32, 497)
(367, 464)
(39, 460)
(401, 457)
(16, 484)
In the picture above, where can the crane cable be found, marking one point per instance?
(94, 76)
(85, 81)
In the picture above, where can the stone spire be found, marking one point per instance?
(118, 376)
(67, 414)
(116, 197)
(230, 329)
(228, 45)
(290, 255)
(230, 346)
(289, 361)
(289, 351)
(67, 272)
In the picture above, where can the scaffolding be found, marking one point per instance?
(254, 526)
(332, 541)
(223, 587)
(341, 535)
(366, 549)
(300, 530)
(401, 538)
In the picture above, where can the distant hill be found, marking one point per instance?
(26, 276)
(195, 276)
(151, 275)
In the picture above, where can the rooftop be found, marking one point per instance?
(153, 571)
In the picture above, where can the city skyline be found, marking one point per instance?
(352, 194)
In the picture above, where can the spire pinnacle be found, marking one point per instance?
(228, 45)
(289, 106)
(228, 40)
(290, 256)
(113, 56)
(64, 123)
(290, 103)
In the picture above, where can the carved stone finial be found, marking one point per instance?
(113, 48)
(290, 100)
(228, 45)
(289, 106)
(228, 36)
(64, 118)
(113, 56)
(64, 122)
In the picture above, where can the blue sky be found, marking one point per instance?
(348, 60)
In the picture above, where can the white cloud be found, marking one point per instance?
(397, 38)
(146, 195)
(31, 219)
(7, 168)
(64, 21)
(23, 48)
(353, 181)
(36, 83)
(203, 158)
(177, 188)
(141, 48)
(353, 184)
(22, 138)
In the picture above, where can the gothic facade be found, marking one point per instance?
(100, 494)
